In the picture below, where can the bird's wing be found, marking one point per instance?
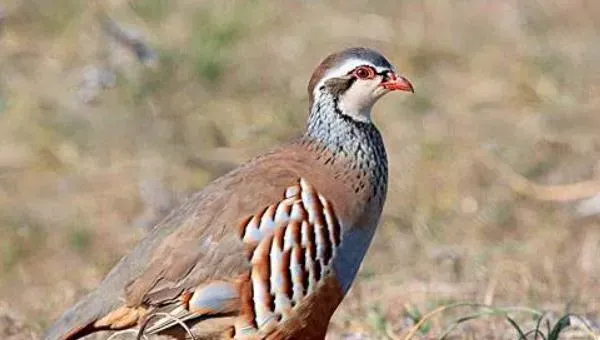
(282, 253)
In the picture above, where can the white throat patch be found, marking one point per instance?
(358, 100)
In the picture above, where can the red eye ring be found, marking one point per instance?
(364, 72)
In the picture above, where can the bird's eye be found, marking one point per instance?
(364, 72)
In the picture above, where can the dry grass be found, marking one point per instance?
(95, 146)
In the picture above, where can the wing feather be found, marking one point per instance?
(291, 254)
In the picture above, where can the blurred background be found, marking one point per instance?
(113, 112)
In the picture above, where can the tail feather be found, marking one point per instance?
(78, 321)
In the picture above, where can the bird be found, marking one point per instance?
(270, 249)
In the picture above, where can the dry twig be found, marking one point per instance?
(524, 186)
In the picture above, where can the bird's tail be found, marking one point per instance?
(78, 321)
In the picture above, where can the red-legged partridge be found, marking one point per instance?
(269, 250)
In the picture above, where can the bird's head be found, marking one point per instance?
(354, 79)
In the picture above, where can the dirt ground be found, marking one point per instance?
(492, 161)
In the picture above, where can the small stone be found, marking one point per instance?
(469, 205)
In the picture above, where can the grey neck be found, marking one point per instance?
(356, 141)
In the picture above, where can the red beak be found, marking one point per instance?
(397, 83)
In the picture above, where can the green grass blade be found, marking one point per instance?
(522, 335)
(563, 323)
